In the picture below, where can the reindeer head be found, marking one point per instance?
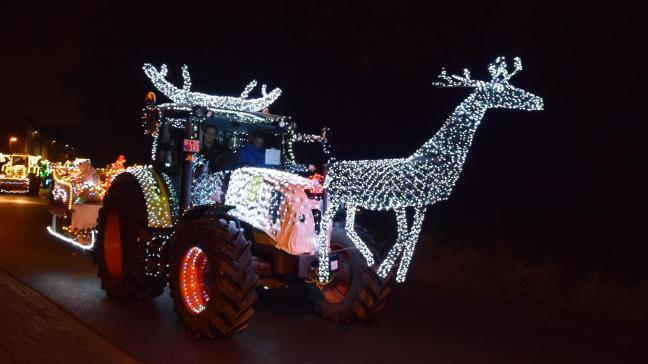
(498, 92)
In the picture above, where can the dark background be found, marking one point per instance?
(567, 183)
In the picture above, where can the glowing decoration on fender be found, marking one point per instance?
(184, 96)
(425, 177)
(157, 202)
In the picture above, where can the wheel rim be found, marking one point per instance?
(338, 289)
(193, 286)
(112, 247)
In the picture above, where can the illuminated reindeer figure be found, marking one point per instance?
(184, 96)
(425, 177)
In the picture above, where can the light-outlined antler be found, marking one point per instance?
(186, 78)
(246, 91)
(498, 69)
(185, 96)
(456, 81)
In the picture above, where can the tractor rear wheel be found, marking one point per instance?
(213, 276)
(120, 250)
(355, 292)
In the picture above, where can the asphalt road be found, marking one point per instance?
(418, 325)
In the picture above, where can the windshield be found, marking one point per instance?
(19, 160)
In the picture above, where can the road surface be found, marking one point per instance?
(418, 325)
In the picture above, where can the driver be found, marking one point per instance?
(218, 155)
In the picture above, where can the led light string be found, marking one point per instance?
(174, 202)
(153, 257)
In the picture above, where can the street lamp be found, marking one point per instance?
(11, 141)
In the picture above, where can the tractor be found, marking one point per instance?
(219, 231)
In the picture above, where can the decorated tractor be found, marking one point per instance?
(76, 194)
(20, 174)
(219, 214)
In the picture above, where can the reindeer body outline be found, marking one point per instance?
(422, 179)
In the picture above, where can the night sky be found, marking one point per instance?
(568, 182)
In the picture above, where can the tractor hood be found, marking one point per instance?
(276, 203)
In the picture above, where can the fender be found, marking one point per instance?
(158, 207)
(216, 210)
(199, 211)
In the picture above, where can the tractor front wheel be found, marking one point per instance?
(212, 276)
(355, 292)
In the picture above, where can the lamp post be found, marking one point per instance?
(11, 141)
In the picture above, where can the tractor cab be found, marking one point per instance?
(178, 129)
(180, 151)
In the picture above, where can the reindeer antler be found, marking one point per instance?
(455, 80)
(498, 69)
(185, 96)
(246, 91)
(186, 78)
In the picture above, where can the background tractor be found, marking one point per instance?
(19, 174)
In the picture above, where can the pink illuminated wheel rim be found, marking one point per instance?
(194, 280)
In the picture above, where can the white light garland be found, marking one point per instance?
(422, 179)
(184, 96)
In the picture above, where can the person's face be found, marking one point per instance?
(210, 135)
(258, 142)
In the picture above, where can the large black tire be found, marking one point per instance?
(120, 249)
(356, 292)
(227, 276)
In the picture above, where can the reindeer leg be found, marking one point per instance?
(350, 230)
(387, 264)
(323, 246)
(410, 244)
